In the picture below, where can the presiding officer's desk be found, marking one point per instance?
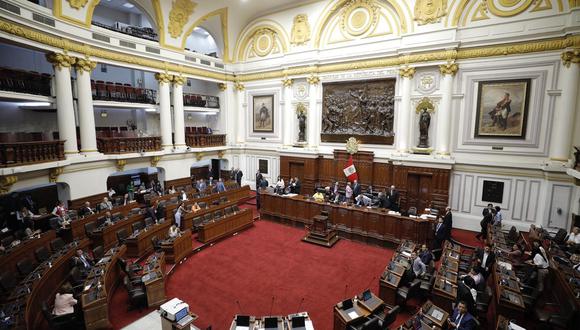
(372, 225)
(176, 249)
(139, 243)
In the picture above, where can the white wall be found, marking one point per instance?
(14, 119)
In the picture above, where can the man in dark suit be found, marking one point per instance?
(461, 319)
(86, 210)
(356, 188)
(239, 175)
(82, 261)
(297, 185)
(152, 211)
(485, 259)
(448, 222)
(440, 233)
(393, 197)
(382, 200)
(259, 178)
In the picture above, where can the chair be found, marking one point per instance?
(135, 210)
(24, 267)
(98, 252)
(137, 296)
(62, 322)
(41, 254)
(131, 268)
(229, 210)
(202, 205)
(122, 236)
(116, 216)
(156, 243)
(372, 322)
(90, 227)
(7, 282)
(407, 292)
(56, 244)
(148, 222)
(54, 223)
(218, 214)
(236, 208)
(6, 241)
(391, 316)
(207, 218)
(76, 279)
(136, 226)
(197, 221)
(412, 210)
(560, 237)
(223, 199)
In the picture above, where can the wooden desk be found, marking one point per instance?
(225, 226)
(107, 236)
(154, 279)
(443, 294)
(95, 301)
(177, 249)
(373, 304)
(388, 285)
(187, 219)
(25, 250)
(78, 226)
(140, 244)
(431, 317)
(342, 319)
(374, 226)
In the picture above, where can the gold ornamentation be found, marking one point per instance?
(430, 11)
(220, 154)
(239, 86)
(425, 104)
(574, 3)
(480, 13)
(155, 160)
(77, 4)
(508, 8)
(223, 15)
(85, 20)
(84, 65)
(352, 145)
(301, 109)
(542, 5)
(571, 57)
(6, 182)
(179, 15)
(264, 41)
(53, 173)
(449, 68)
(179, 80)
(407, 72)
(121, 164)
(358, 17)
(313, 79)
(163, 77)
(199, 156)
(287, 82)
(60, 61)
(300, 30)
(222, 86)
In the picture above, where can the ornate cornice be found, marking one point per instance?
(178, 80)
(570, 57)
(222, 86)
(121, 164)
(239, 86)
(6, 182)
(313, 79)
(163, 77)
(85, 65)
(178, 16)
(449, 68)
(54, 172)
(60, 61)
(77, 4)
(155, 160)
(287, 82)
(199, 156)
(407, 72)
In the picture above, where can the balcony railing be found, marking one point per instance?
(205, 140)
(118, 92)
(25, 82)
(201, 101)
(33, 152)
(123, 145)
(135, 31)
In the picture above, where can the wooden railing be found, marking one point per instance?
(23, 153)
(205, 140)
(122, 145)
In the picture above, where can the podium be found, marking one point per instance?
(320, 233)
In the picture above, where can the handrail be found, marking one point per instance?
(31, 152)
(121, 145)
(205, 140)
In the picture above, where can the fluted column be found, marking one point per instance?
(404, 128)
(241, 112)
(443, 132)
(164, 110)
(288, 127)
(563, 124)
(178, 115)
(84, 67)
(312, 117)
(224, 119)
(64, 101)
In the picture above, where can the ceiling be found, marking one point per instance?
(118, 5)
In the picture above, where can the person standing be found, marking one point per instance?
(64, 301)
(220, 186)
(487, 209)
(239, 175)
(439, 234)
(393, 197)
(448, 222)
(131, 191)
(487, 220)
(348, 192)
(485, 259)
(356, 188)
(498, 218)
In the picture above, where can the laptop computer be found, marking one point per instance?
(366, 295)
(271, 323)
(298, 322)
(242, 321)
(347, 304)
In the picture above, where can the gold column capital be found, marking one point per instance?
(287, 82)
(407, 72)
(313, 79)
(178, 80)
(450, 68)
(84, 65)
(6, 182)
(163, 77)
(222, 86)
(155, 160)
(53, 173)
(121, 164)
(571, 56)
(60, 61)
(239, 86)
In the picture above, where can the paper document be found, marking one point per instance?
(437, 315)
(504, 265)
(513, 326)
(406, 254)
(352, 315)
(309, 325)
(242, 328)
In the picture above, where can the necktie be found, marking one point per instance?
(438, 226)
(85, 262)
(458, 320)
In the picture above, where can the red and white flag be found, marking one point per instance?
(350, 170)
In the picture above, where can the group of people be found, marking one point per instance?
(353, 193)
(491, 216)
(294, 185)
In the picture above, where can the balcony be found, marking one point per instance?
(134, 31)
(126, 142)
(28, 148)
(201, 137)
(201, 101)
(27, 82)
(118, 92)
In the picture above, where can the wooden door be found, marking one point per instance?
(296, 170)
(418, 190)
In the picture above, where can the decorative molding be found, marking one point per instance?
(449, 68)
(313, 79)
(178, 16)
(300, 30)
(57, 11)
(77, 4)
(199, 156)
(508, 8)
(358, 16)
(155, 160)
(222, 86)
(429, 11)
(84, 65)
(287, 82)
(407, 72)
(60, 61)
(223, 14)
(426, 104)
(53, 173)
(239, 86)
(301, 109)
(220, 154)
(163, 77)
(6, 182)
(121, 164)
(178, 80)
(569, 57)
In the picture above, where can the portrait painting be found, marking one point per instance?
(502, 108)
(263, 115)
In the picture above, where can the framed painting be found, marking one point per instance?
(502, 108)
(263, 113)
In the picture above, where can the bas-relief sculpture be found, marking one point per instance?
(430, 11)
(300, 30)
(363, 109)
(179, 15)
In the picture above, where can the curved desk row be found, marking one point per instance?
(25, 250)
(230, 224)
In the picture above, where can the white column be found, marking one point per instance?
(404, 129)
(178, 115)
(64, 101)
(164, 110)
(560, 143)
(288, 127)
(311, 127)
(85, 105)
(443, 131)
(242, 112)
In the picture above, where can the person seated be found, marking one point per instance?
(174, 231)
(195, 207)
(363, 200)
(182, 195)
(64, 301)
(108, 219)
(573, 240)
(339, 198)
(461, 319)
(279, 187)
(515, 253)
(425, 254)
(210, 181)
(24, 217)
(111, 192)
(541, 266)
(171, 190)
(220, 187)
(106, 204)
(327, 194)
(419, 268)
(86, 210)
(61, 212)
(318, 196)
(152, 211)
(475, 275)
(82, 261)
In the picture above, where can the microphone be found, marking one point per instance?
(300, 305)
(272, 305)
(371, 281)
(239, 306)
(345, 288)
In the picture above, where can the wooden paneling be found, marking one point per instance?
(76, 204)
(309, 167)
(183, 182)
(199, 173)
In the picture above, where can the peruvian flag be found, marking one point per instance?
(350, 170)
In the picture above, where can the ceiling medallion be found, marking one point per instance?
(264, 41)
(358, 17)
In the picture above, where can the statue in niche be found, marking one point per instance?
(424, 108)
(301, 112)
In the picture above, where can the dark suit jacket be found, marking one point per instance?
(489, 262)
(393, 197)
(440, 234)
(298, 187)
(448, 222)
(356, 190)
(239, 176)
(467, 322)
